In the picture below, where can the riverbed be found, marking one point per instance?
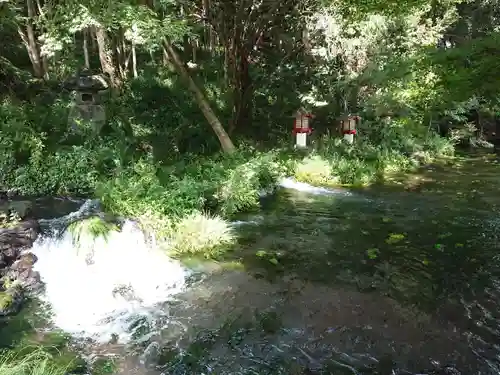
(401, 278)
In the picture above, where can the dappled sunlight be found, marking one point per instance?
(316, 171)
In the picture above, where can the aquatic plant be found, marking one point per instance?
(93, 227)
(38, 362)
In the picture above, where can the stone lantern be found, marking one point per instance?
(87, 109)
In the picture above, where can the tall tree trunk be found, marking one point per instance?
(45, 65)
(86, 54)
(208, 29)
(134, 60)
(226, 143)
(241, 85)
(106, 57)
(30, 42)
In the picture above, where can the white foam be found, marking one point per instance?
(82, 281)
(290, 183)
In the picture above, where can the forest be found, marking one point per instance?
(199, 97)
(202, 95)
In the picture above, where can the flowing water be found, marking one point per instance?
(402, 279)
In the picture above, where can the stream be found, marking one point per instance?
(395, 279)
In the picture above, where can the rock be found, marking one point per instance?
(16, 267)
(151, 355)
(22, 272)
(19, 210)
(21, 236)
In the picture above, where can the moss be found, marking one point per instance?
(6, 300)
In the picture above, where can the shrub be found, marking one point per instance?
(399, 149)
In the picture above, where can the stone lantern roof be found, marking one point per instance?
(87, 82)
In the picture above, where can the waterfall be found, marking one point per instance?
(98, 287)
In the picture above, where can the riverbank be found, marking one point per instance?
(186, 201)
(24, 347)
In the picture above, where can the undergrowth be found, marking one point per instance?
(185, 197)
(36, 363)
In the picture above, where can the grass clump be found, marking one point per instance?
(93, 227)
(200, 233)
(316, 170)
(38, 362)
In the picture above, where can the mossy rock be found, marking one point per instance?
(10, 300)
(6, 300)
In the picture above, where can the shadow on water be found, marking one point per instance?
(409, 271)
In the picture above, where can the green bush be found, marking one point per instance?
(381, 151)
(155, 159)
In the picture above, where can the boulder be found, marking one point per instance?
(22, 236)
(16, 267)
(23, 274)
(19, 210)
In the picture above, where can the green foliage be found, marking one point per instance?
(104, 366)
(37, 362)
(199, 234)
(93, 227)
(392, 148)
(157, 159)
(226, 184)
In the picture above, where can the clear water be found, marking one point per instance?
(401, 279)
